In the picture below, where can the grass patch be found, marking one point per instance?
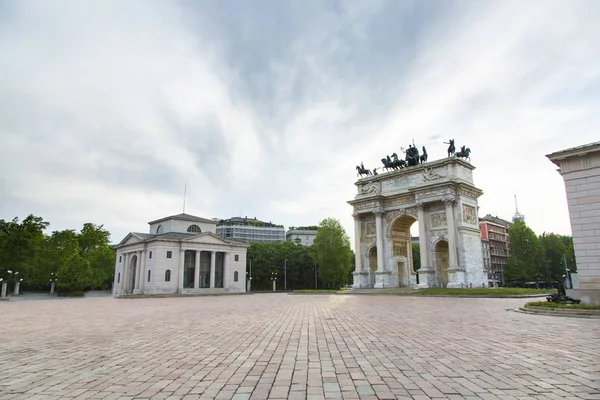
(482, 291)
(316, 291)
(548, 304)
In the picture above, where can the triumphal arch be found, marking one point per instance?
(441, 197)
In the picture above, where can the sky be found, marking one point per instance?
(265, 107)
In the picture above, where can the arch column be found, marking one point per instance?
(226, 270)
(381, 276)
(426, 274)
(455, 273)
(138, 270)
(125, 273)
(359, 277)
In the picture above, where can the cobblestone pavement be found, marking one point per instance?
(275, 346)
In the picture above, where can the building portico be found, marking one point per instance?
(191, 260)
(441, 198)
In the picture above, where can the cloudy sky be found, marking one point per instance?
(265, 107)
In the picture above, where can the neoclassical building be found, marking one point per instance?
(441, 197)
(180, 254)
(580, 169)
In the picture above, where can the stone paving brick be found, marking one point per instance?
(298, 347)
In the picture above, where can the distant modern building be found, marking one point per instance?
(580, 169)
(518, 216)
(304, 235)
(495, 231)
(250, 230)
(180, 254)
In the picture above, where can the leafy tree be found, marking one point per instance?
(92, 237)
(570, 253)
(554, 252)
(333, 253)
(416, 254)
(526, 258)
(75, 274)
(22, 245)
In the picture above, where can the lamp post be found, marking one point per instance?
(4, 286)
(52, 283)
(18, 286)
(285, 275)
(250, 276)
(274, 279)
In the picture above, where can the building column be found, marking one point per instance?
(451, 233)
(181, 269)
(197, 270)
(226, 271)
(143, 273)
(138, 270)
(124, 273)
(379, 230)
(212, 269)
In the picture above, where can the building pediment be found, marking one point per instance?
(211, 238)
(131, 238)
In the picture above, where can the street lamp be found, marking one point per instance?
(285, 275)
(53, 280)
(274, 279)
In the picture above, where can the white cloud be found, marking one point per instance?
(106, 109)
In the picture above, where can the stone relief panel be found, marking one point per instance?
(436, 206)
(435, 193)
(399, 201)
(471, 194)
(366, 205)
(370, 228)
(370, 188)
(469, 214)
(438, 220)
(403, 182)
(430, 174)
(399, 249)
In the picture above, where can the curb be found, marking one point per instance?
(560, 312)
(163, 296)
(463, 296)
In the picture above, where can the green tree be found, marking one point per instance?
(332, 253)
(526, 258)
(570, 253)
(416, 254)
(94, 245)
(22, 247)
(554, 253)
(75, 274)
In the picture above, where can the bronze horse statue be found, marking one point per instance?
(363, 171)
(464, 153)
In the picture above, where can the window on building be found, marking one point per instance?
(119, 277)
(168, 275)
(119, 258)
(169, 254)
(148, 275)
(237, 258)
(150, 255)
(159, 230)
(235, 276)
(194, 229)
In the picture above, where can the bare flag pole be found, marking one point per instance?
(184, 194)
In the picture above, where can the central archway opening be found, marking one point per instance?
(441, 262)
(405, 251)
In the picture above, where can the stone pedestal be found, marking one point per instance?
(426, 278)
(382, 279)
(360, 280)
(274, 285)
(456, 278)
(52, 287)
(17, 288)
(4, 287)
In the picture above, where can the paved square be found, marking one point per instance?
(275, 346)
